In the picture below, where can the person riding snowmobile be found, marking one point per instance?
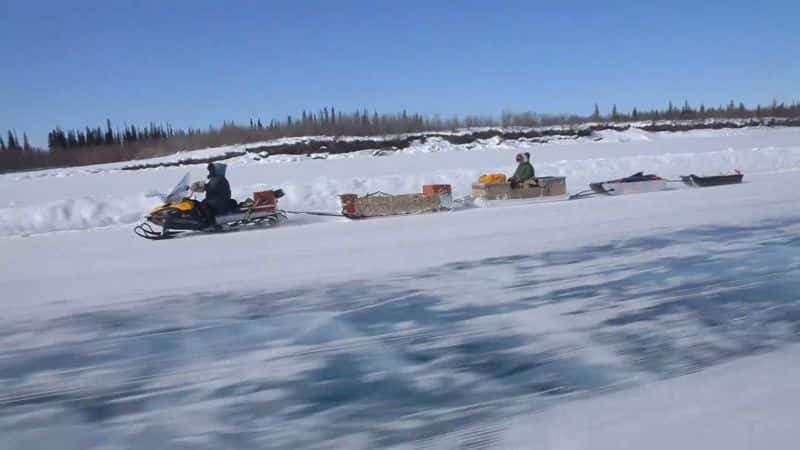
(218, 190)
(524, 170)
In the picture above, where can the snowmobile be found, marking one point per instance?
(181, 213)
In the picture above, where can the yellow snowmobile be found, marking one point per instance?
(180, 213)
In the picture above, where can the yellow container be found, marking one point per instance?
(489, 178)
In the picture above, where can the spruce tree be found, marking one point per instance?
(109, 138)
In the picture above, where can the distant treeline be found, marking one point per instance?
(110, 144)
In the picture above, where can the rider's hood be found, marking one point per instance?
(219, 169)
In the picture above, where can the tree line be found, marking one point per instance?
(58, 139)
(687, 112)
(14, 142)
(94, 145)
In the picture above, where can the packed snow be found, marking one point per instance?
(747, 404)
(594, 323)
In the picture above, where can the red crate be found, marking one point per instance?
(435, 189)
(264, 200)
(348, 202)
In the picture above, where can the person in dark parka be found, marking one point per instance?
(217, 189)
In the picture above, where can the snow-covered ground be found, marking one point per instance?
(515, 325)
(89, 197)
(747, 404)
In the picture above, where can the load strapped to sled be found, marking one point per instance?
(434, 197)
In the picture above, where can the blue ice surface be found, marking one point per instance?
(379, 363)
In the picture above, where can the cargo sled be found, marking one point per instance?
(434, 197)
(180, 214)
(535, 188)
(713, 180)
(637, 183)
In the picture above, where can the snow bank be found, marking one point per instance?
(72, 214)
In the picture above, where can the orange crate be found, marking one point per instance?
(264, 200)
(348, 202)
(433, 189)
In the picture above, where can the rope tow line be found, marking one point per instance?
(316, 213)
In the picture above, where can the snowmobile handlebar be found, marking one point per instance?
(198, 186)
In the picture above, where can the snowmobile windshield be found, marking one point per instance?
(180, 191)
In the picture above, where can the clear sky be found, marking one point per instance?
(196, 62)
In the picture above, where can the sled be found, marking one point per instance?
(637, 183)
(538, 187)
(713, 180)
(434, 197)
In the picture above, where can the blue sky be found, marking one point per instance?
(195, 63)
